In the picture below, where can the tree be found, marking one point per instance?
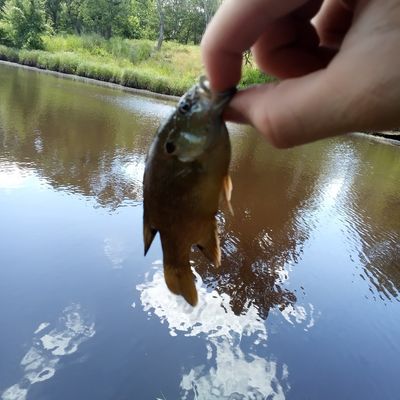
(23, 23)
(147, 16)
(208, 8)
(160, 9)
(105, 16)
(70, 17)
(53, 10)
(186, 20)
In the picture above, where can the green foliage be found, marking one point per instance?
(132, 63)
(69, 63)
(132, 51)
(70, 20)
(146, 14)
(113, 40)
(53, 11)
(106, 17)
(8, 54)
(101, 72)
(184, 21)
(23, 22)
(253, 76)
(28, 57)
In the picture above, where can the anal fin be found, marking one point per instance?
(209, 245)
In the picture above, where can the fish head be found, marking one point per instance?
(198, 110)
(199, 103)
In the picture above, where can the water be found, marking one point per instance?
(305, 305)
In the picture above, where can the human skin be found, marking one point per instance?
(338, 63)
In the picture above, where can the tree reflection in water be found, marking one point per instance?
(93, 142)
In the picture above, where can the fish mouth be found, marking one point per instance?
(219, 99)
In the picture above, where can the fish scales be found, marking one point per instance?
(185, 174)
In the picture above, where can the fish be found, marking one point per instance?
(186, 174)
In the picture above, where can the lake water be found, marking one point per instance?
(306, 304)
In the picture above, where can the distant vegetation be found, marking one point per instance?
(147, 44)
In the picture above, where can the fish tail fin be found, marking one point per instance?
(180, 281)
(148, 235)
(227, 192)
(209, 245)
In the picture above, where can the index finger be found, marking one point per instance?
(235, 28)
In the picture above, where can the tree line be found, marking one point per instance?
(23, 22)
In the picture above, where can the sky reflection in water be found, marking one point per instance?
(229, 372)
(305, 304)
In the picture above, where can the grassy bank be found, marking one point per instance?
(131, 63)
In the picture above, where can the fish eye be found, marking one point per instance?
(184, 107)
(169, 147)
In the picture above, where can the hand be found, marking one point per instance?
(338, 62)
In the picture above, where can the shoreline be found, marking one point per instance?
(141, 92)
(388, 137)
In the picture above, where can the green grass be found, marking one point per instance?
(132, 63)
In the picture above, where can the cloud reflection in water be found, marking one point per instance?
(41, 360)
(229, 372)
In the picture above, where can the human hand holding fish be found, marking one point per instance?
(337, 61)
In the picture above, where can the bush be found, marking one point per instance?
(68, 63)
(49, 61)
(129, 78)
(106, 73)
(8, 54)
(28, 57)
(141, 50)
(23, 23)
(83, 68)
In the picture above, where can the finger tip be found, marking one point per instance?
(233, 115)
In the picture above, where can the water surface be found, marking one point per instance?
(305, 305)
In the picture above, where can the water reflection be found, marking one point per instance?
(264, 239)
(79, 140)
(14, 177)
(314, 243)
(214, 321)
(99, 149)
(50, 343)
(353, 195)
(117, 250)
(235, 375)
(94, 143)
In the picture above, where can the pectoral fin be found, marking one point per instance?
(180, 281)
(148, 235)
(227, 192)
(209, 245)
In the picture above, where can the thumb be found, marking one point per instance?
(294, 111)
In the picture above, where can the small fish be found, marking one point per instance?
(185, 175)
